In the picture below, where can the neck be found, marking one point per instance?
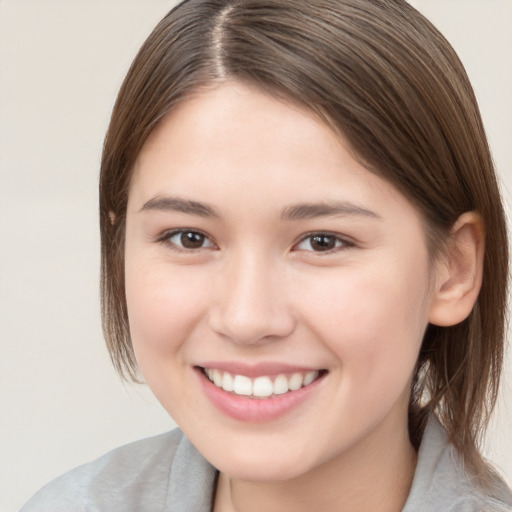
(374, 474)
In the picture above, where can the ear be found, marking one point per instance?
(458, 275)
(112, 217)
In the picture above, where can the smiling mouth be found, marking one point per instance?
(262, 387)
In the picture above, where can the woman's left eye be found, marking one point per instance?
(187, 239)
(322, 242)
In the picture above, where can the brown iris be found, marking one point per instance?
(192, 240)
(323, 242)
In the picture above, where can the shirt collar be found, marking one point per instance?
(192, 480)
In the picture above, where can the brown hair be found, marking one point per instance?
(379, 73)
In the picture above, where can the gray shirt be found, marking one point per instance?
(166, 473)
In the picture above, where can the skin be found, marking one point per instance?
(257, 290)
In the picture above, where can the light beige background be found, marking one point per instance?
(61, 64)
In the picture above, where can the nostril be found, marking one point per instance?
(246, 327)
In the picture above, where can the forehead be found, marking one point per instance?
(232, 111)
(234, 141)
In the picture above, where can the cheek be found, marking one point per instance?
(373, 321)
(164, 307)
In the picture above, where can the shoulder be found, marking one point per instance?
(441, 482)
(116, 481)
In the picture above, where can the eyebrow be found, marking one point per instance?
(303, 211)
(300, 211)
(176, 204)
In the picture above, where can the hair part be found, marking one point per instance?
(385, 79)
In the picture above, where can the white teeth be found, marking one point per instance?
(242, 385)
(295, 381)
(310, 377)
(280, 385)
(217, 378)
(260, 387)
(227, 382)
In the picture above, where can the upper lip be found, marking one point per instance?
(256, 370)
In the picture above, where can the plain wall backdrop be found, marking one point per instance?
(61, 64)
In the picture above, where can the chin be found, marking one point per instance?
(261, 465)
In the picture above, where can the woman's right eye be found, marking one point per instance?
(187, 240)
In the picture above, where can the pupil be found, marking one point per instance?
(323, 242)
(192, 240)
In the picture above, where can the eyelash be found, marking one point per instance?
(340, 242)
(166, 239)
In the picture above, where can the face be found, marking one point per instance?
(261, 256)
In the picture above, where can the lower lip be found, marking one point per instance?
(257, 410)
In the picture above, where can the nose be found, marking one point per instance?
(252, 304)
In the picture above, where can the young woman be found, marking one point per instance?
(305, 257)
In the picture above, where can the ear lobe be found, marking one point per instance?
(458, 276)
